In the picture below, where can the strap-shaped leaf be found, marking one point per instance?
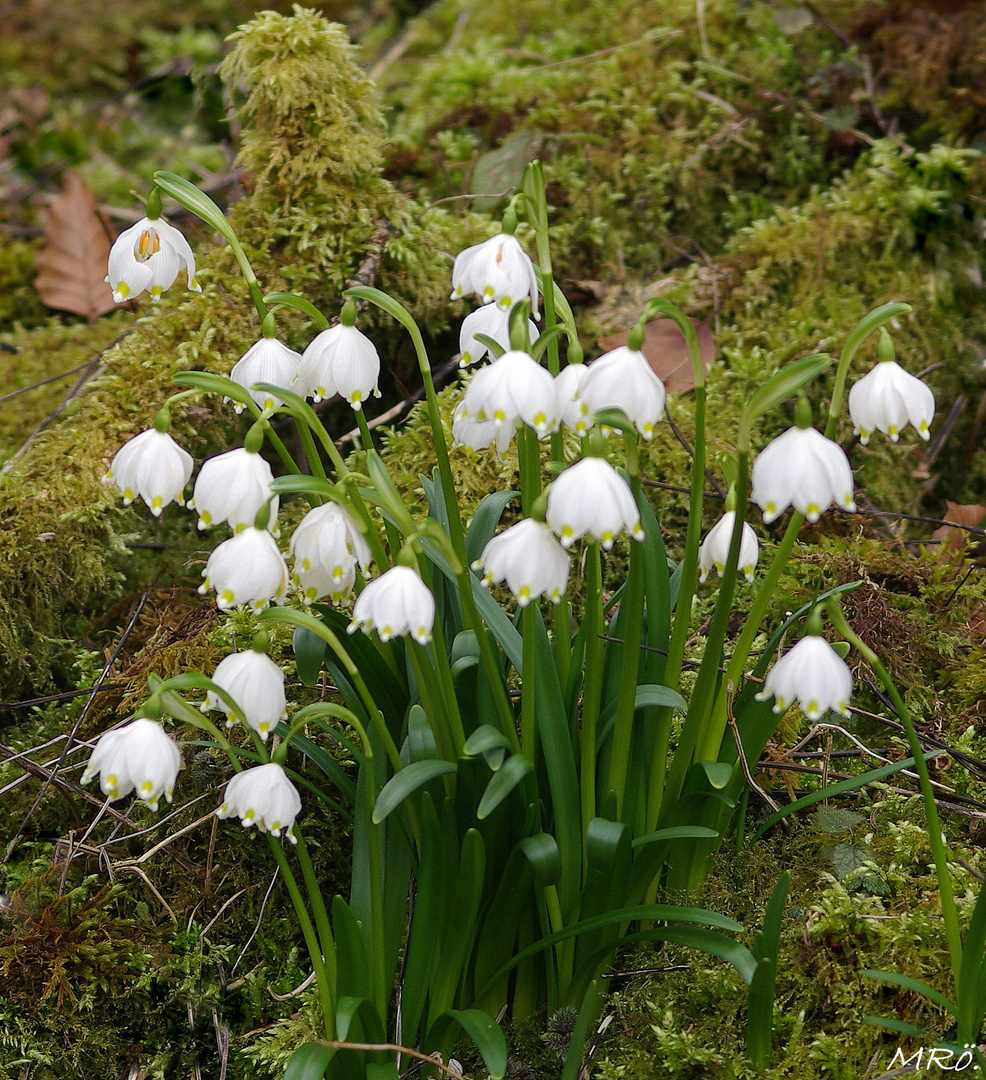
(676, 832)
(919, 987)
(602, 841)
(406, 782)
(543, 855)
(650, 694)
(502, 782)
(485, 521)
(348, 1009)
(309, 1062)
(485, 1033)
(309, 652)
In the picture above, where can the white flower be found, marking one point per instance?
(256, 684)
(529, 558)
(591, 498)
(494, 322)
(266, 361)
(140, 757)
(247, 569)
(803, 469)
(343, 361)
(715, 547)
(513, 388)
(886, 399)
(265, 797)
(232, 487)
(149, 255)
(397, 603)
(622, 379)
(153, 466)
(497, 270)
(479, 434)
(326, 546)
(815, 674)
(572, 410)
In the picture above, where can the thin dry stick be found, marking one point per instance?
(147, 881)
(396, 1048)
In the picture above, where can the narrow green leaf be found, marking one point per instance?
(602, 841)
(309, 652)
(649, 694)
(543, 855)
(485, 521)
(486, 1034)
(301, 304)
(502, 782)
(838, 789)
(676, 832)
(894, 1025)
(580, 1032)
(406, 782)
(896, 979)
(213, 384)
(309, 1062)
(784, 383)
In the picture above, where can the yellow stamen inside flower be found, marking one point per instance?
(149, 244)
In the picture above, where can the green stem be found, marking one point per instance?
(322, 924)
(325, 994)
(935, 839)
(592, 622)
(528, 697)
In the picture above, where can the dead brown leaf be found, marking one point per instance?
(72, 265)
(666, 352)
(951, 538)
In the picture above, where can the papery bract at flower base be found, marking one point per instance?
(327, 546)
(265, 797)
(590, 498)
(266, 361)
(247, 569)
(232, 487)
(529, 559)
(812, 673)
(149, 255)
(715, 547)
(494, 322)
(480, 434)
(803, 469)
(397, 603)
(256, 684)
(497, 270)
(622, 379)
(343, 361)
(153, 466)
(140, 757)
(572, 410)
(513, 388)
(886, 399)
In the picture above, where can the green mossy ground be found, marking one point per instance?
(742, 164)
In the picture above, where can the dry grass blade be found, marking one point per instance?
(72, 265)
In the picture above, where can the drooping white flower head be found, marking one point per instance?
(715, 547)
(803, 469)
(140, 757)
(494, 322)
(512, 389)
(265, 797)
(622, 379)
(153, 466)
(887, 399)
(256, 684)
(327, 545)
(343, 361)
(572, 410)
(812, 673)
(396, 603)
(149, 255)
(590, 498)
(498, 271)
(232, 487)
(480, 434)
(247, 569)
(266, 361)
(529, 559)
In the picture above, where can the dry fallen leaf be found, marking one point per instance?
(72, 265)
(666, 352)
(953, 539)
